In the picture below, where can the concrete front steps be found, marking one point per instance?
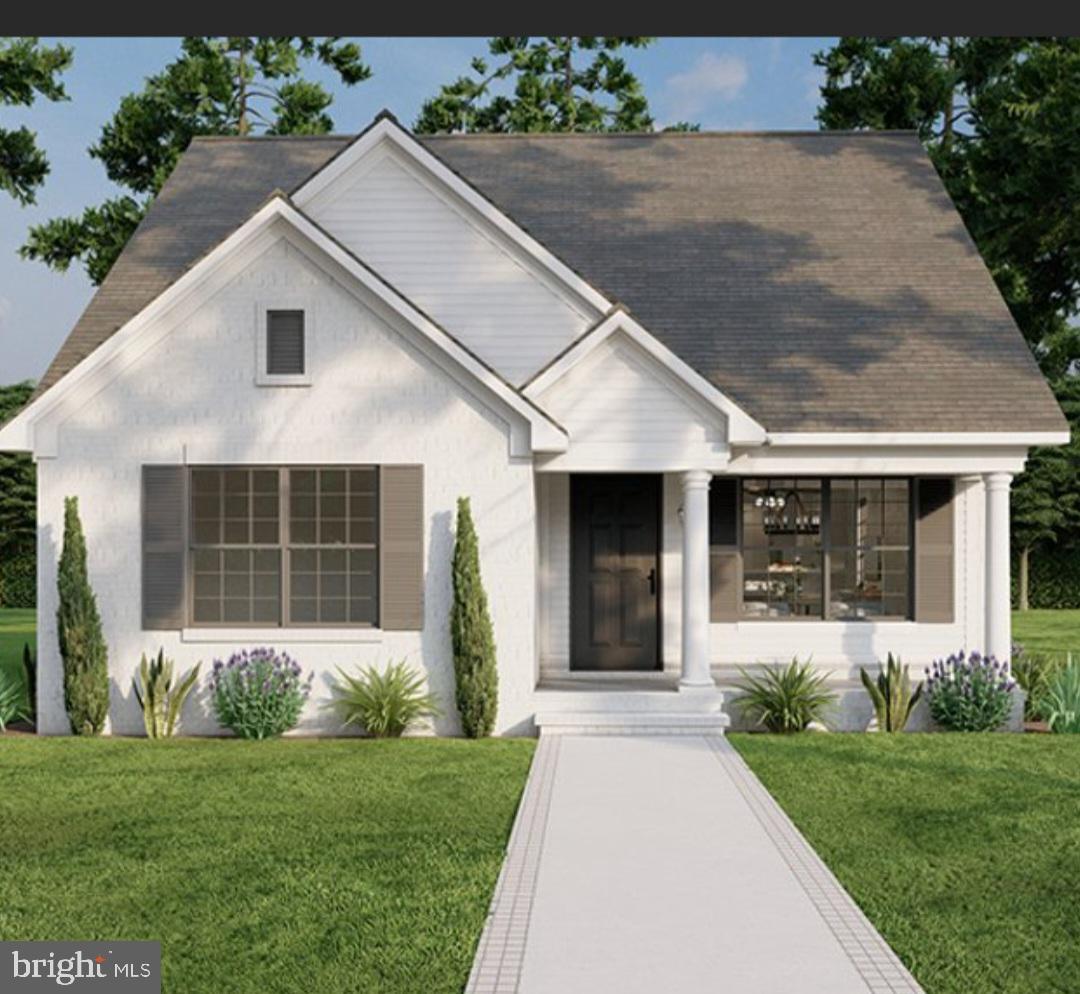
(598, 709)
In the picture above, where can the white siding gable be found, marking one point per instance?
(623, 410)
(467, 278)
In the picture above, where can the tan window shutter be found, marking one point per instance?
(934, 550)
(401, 547)
(164, 546)
(725, 561)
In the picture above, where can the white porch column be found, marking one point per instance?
(695, 581)
(998, 606)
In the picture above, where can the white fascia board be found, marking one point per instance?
(856, 439)
(19, 435)
(387, 129)
(547, 435)
(742, 429)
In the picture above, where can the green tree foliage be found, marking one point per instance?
(217, 86)
(543, 84)
(78, 627)
(471, 633)
(27, 70)
(1000, 118)
(1046, 496)
(18, 491)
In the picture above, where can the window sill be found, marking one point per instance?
(281, 635)
(291, 380)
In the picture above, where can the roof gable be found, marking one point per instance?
(20, 432)
(383, 199)
(822, 281)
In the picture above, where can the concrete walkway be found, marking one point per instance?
(660, 864)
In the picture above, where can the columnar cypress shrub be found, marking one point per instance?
(78, 626)
(471, 633)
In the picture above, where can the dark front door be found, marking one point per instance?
(615, 572)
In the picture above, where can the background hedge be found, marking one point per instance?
(18, 581)
(1053, 579)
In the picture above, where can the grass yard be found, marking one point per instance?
(964, 850)
(1047, 631)
(17, 627)
(263, 867)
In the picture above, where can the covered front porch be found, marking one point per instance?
(637, 617)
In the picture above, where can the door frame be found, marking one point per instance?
(659, 667)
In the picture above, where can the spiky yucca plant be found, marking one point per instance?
(385, 703)
(1061, 698)
(785, 698)
(891, 694)
(160, 701)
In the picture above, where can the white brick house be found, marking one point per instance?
(716, 400)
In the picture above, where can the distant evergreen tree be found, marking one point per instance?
(471, 633)
(78, 626)
(558, 84)
(18, 500)
(216, 86)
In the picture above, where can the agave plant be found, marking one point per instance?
(786, 698)
(1061, 698)
(384, 702)
(12, 699)
(160, 701)
(891, 694)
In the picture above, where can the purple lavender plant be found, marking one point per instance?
(969, 693)
(258, 693)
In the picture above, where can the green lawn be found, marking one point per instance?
(1047, 631)
(16, 629)
(263, 867)
(964, 850)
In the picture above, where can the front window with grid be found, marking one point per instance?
(284, 546)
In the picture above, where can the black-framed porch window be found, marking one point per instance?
(826, 548)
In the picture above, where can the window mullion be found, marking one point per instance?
(826, 549)
(284, 539)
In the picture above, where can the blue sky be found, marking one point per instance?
(723, 83)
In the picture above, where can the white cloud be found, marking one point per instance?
(712, 77)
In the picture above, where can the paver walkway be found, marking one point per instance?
(642, 864)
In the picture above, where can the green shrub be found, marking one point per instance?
(385, 703)
(891, 694)
(1060, 701)
(969, 693)
(786, 698)
(471, 633)
(13, 705)
(1031, 670)
(258, 694)
(160, 701)
(18, 581)
(78, 626)
(1053, 577)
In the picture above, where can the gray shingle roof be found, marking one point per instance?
(824, 281)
